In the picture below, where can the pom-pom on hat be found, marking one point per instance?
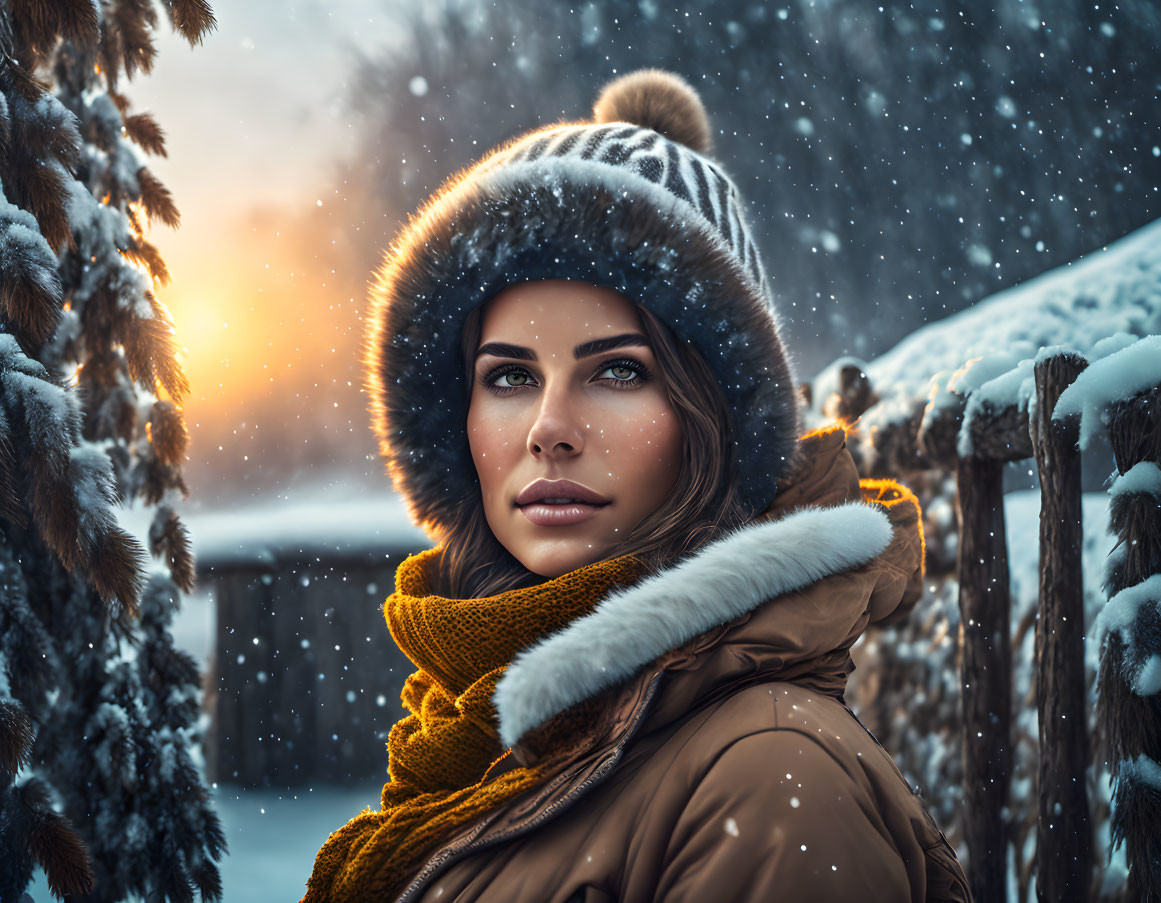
(631, 201)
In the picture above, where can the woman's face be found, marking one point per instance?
(566, 388)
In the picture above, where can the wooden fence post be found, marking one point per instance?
(984, 601)
(1063, 839)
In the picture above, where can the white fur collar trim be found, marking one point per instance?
(721, 582)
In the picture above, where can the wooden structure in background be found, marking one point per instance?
(304, 678)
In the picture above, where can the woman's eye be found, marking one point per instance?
(621, 372)
(512, 378)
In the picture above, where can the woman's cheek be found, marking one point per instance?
(654, 432)
(487, 440)
(649, 441)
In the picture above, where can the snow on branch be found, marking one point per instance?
(1143, 770)
(71, 486)
(1143, 478)
(30, 293)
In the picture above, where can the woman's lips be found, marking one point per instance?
(559, 515)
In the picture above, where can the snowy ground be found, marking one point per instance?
(273, 836)
(272, 839)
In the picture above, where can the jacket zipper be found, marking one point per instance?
(453, 854)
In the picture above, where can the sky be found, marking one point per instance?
(264, 299)
(269, 80)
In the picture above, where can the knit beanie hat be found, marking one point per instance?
(631, 201)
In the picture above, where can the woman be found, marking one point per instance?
(632, 638)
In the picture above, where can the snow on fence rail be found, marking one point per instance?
(912, 402)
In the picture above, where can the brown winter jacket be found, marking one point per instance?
(729, 768)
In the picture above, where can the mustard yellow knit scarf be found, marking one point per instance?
(438, 754)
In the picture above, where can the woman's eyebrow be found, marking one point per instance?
(597, 346)
(503, 349)
(585, 349)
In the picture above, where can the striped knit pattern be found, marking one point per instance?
(639, 160)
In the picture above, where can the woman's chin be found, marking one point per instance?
(553, 558)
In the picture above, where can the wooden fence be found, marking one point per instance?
(975, 439)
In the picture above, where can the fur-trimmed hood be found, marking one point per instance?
(618, 202)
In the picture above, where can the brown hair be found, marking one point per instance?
(704, 501)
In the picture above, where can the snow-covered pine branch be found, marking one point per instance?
(86, 350)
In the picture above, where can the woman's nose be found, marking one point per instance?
(556, 431)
